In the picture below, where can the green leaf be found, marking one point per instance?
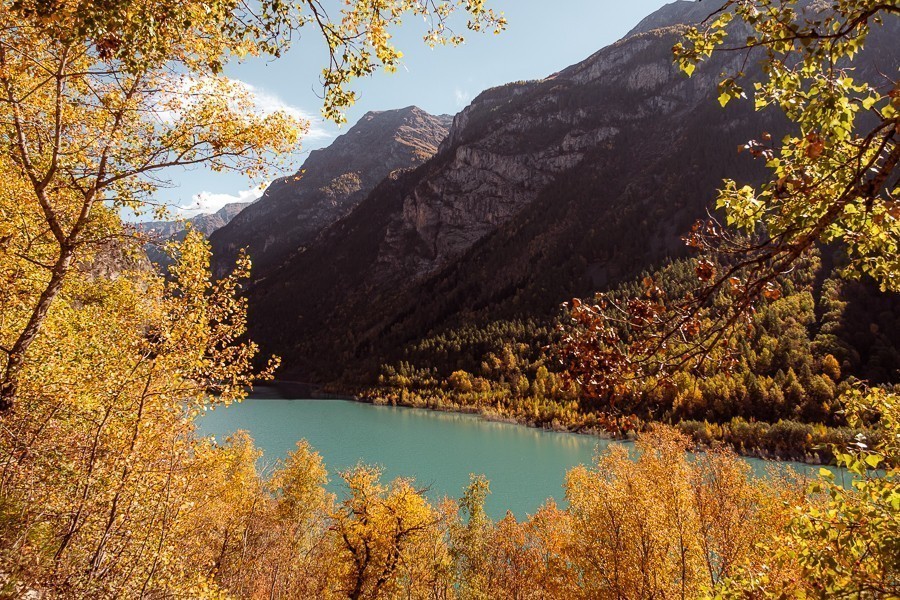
(873, 460)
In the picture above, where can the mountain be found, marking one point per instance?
(331, 182)
(205, 224)
(542, 190)
(163, 231)
(675, 13)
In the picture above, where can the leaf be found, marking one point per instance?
(873, 460)
(705, 270)
(772, 293)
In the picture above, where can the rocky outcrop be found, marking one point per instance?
(115, 257)
(331, 182)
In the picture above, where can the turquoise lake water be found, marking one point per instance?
(525, 466)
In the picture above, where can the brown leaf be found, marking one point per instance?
(771, 292)
(705, 270)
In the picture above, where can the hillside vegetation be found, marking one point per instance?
(779, 400)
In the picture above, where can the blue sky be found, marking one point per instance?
(542, 38)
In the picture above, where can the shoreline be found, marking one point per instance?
(298, 390)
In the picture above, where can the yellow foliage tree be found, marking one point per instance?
(387, 539)
(105, 491)
(99, 99)
(99, 469)
(663, 525)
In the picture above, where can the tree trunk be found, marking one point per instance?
(9, 384)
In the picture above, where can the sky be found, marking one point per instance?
(541, 38)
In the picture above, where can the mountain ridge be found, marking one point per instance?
(541, 190)
(205, 223)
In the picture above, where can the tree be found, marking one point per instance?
(380, 533)
(848, 544)
(832, 181)
(102, 482)
(295, 546)
(469, 536)
(99, 99)
(662, 525)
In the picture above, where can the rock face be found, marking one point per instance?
(115, 257)
(331, 182)
(542, 190)
(512, 142)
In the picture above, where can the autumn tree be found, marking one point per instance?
(661, 525)
(847, 544)
(105, 489)
(469, 536)
(383, 536)
(100, 476)
(99, 99)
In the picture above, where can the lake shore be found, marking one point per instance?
(783, 441)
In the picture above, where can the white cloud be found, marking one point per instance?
(185, 90)
(462, 97)
(210, 202)
(267, 103)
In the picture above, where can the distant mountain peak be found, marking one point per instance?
(680, 12)
(411, 109)
(206, 223)
(386, 117)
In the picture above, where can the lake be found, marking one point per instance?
(525, 466)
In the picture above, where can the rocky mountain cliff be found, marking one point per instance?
(542, 190)
(331, 182)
